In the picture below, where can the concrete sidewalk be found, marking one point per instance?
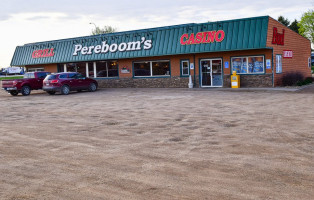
(306, 88)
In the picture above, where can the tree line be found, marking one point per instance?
(304, 27)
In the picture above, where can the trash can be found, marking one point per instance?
(235, 80)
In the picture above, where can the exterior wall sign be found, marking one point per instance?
(268, 64)
(202, 37)
(287, 53)
(42, 53)
(278, 38)
(125, 70)
(226, 65)
(112, 48)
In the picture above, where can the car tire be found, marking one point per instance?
(51, 92)
(65, 90)
(14, 93)
(92, 87)
(26, 90)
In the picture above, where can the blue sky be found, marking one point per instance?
(29, 21)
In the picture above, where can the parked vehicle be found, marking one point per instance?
(13, 70)
(68, 81)
(31, 81)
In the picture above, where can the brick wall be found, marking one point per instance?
(264, 80)
(300, 46)
(47, 67)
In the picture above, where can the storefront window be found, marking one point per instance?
(112, 68)
(185, 68)
(90, 69)
(81, 68)
(152, 68)
(105, 69)
(142, 69)
(101, 69)
(278, 64)
(71, 67)
(248, 65)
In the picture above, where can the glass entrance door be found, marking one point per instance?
(211, 73)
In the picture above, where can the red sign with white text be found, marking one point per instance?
(42, 53)
(287, 53)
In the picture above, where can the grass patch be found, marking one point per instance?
(10, 77)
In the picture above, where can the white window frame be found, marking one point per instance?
(278, 63)
(247, 64)
(33, 69)
(151, 68)
(183, 61)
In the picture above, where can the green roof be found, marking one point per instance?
(239, 34)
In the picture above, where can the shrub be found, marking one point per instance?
(306, 81)
(291, 79)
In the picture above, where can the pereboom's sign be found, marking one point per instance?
(105, 48)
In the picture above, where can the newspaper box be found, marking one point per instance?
(235, 80)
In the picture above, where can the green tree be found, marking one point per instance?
(283, 20)
(307, 25)
(106, 29)
(294, 26)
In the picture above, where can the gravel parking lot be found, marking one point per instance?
(157, 144)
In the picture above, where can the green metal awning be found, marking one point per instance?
(240, 34)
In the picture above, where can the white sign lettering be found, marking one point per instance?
(105, 48)
(287, 54)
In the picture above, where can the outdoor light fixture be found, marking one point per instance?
(93, 24)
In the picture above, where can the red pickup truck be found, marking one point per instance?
(31, 81)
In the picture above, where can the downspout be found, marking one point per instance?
(194, 68)
(272, 66)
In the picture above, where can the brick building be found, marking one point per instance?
(260, 49)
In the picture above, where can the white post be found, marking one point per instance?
(87, 72)
(190, 82)
(65, 67)
(94, 64)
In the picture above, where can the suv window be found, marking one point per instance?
(72, 75)
(62, 76)
(51, 77)
(42, 74)
(80, 76)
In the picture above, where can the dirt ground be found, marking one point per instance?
(157, 144)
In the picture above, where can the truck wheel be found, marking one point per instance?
(51, 92)
(65, 90)
(92, 87)
(14, 93)
(26, 90)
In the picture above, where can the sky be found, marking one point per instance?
(28, 21)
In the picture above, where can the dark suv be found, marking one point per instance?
(68, 81)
